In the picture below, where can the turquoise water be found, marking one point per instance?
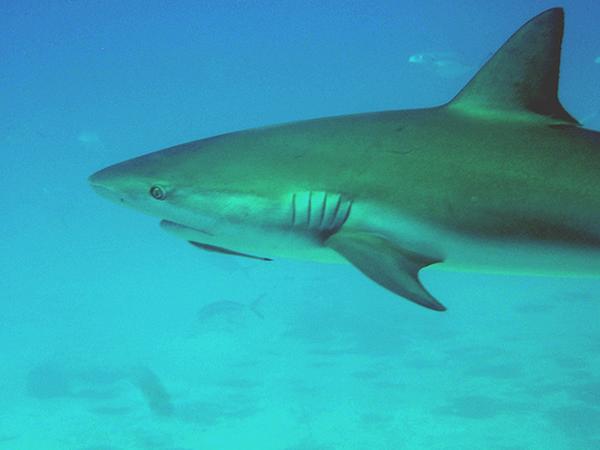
(114, 335)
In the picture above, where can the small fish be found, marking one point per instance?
(431, 57)
(229, 309)
(8, 437)
(153, 390)
(444, 64)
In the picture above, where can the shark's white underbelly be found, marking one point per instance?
(276, 236)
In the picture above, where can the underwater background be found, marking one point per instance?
(114, 335)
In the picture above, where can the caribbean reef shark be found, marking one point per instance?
(502, 178)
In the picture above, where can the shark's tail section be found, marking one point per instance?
(522, 76)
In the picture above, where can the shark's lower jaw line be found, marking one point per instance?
(164, 223)
(108, 193)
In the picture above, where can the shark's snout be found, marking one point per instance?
(100, 177)
(104, 183)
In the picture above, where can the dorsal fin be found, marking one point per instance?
(522, 76)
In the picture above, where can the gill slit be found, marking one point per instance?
(335, 212)
(308, 210)
(347, 214)
(294, 209)
(323, 207)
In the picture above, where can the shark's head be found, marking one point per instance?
(156, 184)
(218, 191)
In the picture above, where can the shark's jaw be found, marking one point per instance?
(103, 189)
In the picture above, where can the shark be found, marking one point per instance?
(499, 179)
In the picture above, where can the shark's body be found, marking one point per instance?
(500, 179)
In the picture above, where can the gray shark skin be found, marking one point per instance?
(500, 179)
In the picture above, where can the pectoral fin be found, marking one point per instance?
(394, 268)
(226, 251)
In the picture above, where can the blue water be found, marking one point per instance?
(106, 342)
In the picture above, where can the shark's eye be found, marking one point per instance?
(158, 192)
